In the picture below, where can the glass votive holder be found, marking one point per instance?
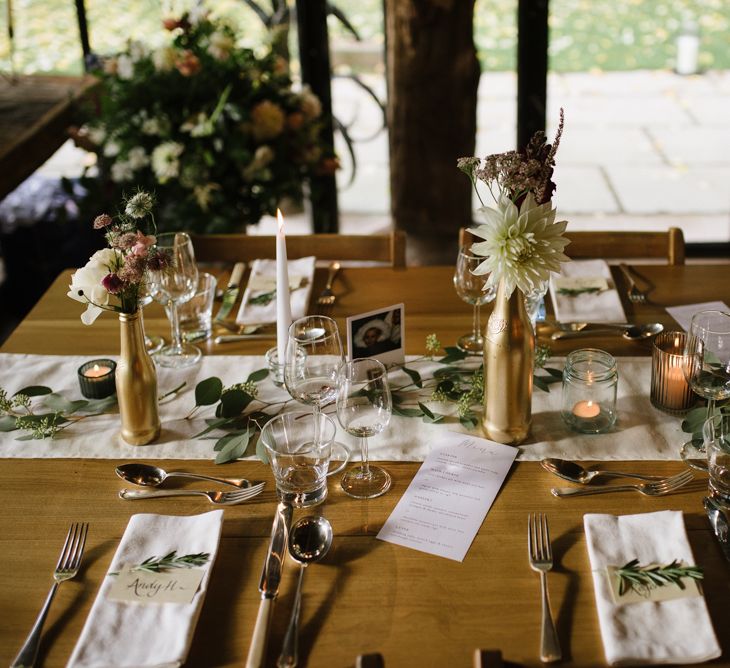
(590, 380)
(670, 391)
(276, 370)
(96, 378)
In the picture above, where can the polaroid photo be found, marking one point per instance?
(378, 334)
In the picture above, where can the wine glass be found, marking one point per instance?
(313, 357)
(152, 342)
(472, 289)
(174, 285)
(364, 407)
(707, 366)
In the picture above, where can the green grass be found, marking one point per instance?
(585, 35)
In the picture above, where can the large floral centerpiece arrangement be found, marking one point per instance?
(522, 244)
(215, 130)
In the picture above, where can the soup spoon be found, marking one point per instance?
(309, 541)
(629, 332)
(574, 472)
(153, 476)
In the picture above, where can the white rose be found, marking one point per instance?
(125, 67)
(220, 45)
(111, 149)
(96, 133)
(151, 127)
(165, 161)
(164, 59)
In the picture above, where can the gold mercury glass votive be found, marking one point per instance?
(670, 391)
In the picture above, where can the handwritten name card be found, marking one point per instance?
(144, 587)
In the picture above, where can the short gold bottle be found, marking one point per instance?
(509, 354)
(136, 381)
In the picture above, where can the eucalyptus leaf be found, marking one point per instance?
(694, 420)
(234, 448)
(414, 376)
(428, 415)
(453, 354)
(540, 383)
(223, 441)
(208, 391)
(212, 426)
(7, 423)
(233, 403)
(99, 405)
(27, 437)
(261, 452)
(469, 420)
(407, 412)
(57, 402)
(256, 376)
(558, 373)
(34, 391)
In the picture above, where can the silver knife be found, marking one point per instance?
(231, 293)
(269, 584)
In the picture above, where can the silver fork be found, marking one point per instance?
(327, 298)
(218, 498)
(66, 568)
(635, 295)
(540, 553)
(656, 488)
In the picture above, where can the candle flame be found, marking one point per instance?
(96, 367)
(676, 342)
(280, 218)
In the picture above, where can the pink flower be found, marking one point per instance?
(126, 240)
(133, 269)
(142, 244)
(157, 261)
(104, 220)
(112, 283)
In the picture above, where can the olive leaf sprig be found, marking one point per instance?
(642, 579)
(171, 561)
(42, 413)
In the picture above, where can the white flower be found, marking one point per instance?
(522, 246)
(86, 284)
(137, 158)
(197, 13)
(164, 59)
(151, 126)
(198, 126)
(96, 133)
(111, 149)
(125, 67)
(122, 171)
(220, 45)
(165, 161)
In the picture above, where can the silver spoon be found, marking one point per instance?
(574, 472)
(629, 332)
(153, 476)
(309, 540)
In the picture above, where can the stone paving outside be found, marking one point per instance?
(641, 150)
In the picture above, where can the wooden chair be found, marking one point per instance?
(610, 245)
(385, 248)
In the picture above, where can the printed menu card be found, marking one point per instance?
(448, 499)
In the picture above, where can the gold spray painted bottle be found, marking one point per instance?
(509, 353)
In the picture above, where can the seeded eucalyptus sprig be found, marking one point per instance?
(644, 578)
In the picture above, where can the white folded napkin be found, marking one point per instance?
(263, 280)
(132, 635)
(650, 632)
(603, 306)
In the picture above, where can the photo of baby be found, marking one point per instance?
(377, 334)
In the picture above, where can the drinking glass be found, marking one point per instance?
(716, 438)
(313, 357)
(364, 407)
(173, 286)
(707, 366)
(471, 289)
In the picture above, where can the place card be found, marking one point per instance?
(667, 592)
(144, 587)
(683, 314)
(448, 499)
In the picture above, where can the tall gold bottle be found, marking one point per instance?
(509, 354)
(136, 380)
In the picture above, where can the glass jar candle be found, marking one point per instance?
(590, 379)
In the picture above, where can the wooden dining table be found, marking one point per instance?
(367, 595)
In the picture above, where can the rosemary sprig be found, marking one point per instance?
(263, 299)
(172, 561)
(644, 578)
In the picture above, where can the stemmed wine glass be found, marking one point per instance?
(364, 407)
(471, 289)
(172, 286)
(313, 357)
(707, 365)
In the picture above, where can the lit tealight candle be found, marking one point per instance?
(96, 378)
(97, 371)
(586, 409)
